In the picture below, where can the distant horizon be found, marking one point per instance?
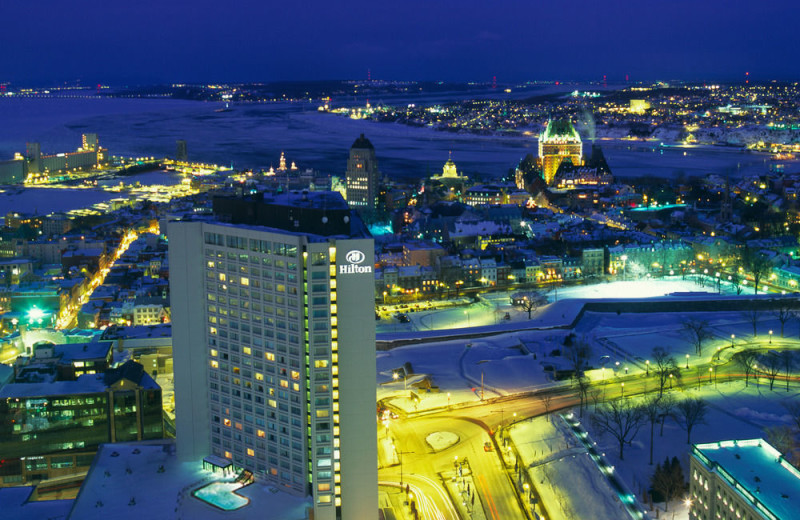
(164, 42)
(80, 83)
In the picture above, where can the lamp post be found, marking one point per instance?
(647, 366)
(710, 373)
(687, 361)
(622, 385)
(770, 337)
(448, 399)
(396, 376)
(733, 336)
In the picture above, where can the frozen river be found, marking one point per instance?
(254, 136)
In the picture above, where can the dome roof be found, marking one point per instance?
(362, 142)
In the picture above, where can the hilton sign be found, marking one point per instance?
(355, 258)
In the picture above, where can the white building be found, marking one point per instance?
(274, 355)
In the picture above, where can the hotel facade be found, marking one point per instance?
(274, 345)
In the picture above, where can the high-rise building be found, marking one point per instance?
(362, 175)
(559, 141)
(89, 142)
(274, 345)
(181, 151)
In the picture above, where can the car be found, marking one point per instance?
(487, 446)
(403, 318)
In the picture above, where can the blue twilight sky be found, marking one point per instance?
(143, 41)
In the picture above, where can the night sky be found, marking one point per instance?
(147, 41)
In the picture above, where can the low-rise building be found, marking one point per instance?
(742, 479)
(52, 429)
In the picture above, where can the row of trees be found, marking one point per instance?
(623, 418)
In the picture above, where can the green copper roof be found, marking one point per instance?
(561, 130)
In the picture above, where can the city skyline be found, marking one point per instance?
(152, 42)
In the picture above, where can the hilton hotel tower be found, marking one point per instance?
(274, 345)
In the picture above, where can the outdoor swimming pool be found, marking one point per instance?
(222, 495)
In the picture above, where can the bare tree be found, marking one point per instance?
(652, 410)
(784, 312)
(689, 413)
(793, 407)
(746, 360)
(736, 282)
(664, 365)
(595, 396)
(621, 418)
(772, 367)
(667, 404)
(697, 331)
(547, 400)
(528, 301)
(577, 353)
(786, 357)
(781, 438)
(752, 316)
(583, 384)
(758, 265)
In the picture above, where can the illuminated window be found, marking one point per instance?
(250, 452)
(259, 377)
(228, 455)
(295, 374)
(321, 363)
(261, 433)
(295, 387)
(270, 356)
(284, 383)
(247, 350)
(322, 413)
(214, 364)
(226, 422)
(323, 487)
(214, 352)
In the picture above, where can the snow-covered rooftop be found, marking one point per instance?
(757, 471)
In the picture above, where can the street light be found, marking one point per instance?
(710, 373)
(448, 399)
(687, 361)
(647, 366)
(770, 337)
(623, 389)
(396, 376)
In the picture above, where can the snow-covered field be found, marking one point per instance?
(512, 362)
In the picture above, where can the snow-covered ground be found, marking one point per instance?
(563, 473)
(492, 307)
(512, 362)
(145, 480)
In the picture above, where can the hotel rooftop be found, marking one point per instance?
(757, 472)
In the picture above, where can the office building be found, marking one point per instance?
(274, 345)
(53, 428)
(559, 142)
(362, 176)
(181, 151)
(742, 480)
